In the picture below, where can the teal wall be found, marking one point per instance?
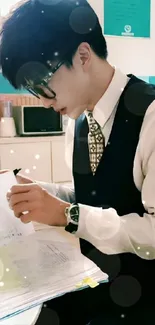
(6, 88)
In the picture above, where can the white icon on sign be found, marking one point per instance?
(127, 28)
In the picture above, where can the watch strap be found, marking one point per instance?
(71, 228)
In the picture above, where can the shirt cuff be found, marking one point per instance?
(97, 225)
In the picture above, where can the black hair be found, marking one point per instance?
(41, 30)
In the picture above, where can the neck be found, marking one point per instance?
(101, 76)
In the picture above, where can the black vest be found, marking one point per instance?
(113, 184)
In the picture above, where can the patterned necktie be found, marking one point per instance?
(96, 142)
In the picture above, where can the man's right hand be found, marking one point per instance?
(20, 178)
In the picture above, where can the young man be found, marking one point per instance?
(56, 50)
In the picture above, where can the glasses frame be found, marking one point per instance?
(32, 89)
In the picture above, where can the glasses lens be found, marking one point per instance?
(33, 92)
(37, 92)
(46, 92)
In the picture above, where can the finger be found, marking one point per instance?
(23, 180)
(4, 171)
(8, 195)
(15, 190)
(25, 206)
(26, 218)
(23, 188)
(22, 197)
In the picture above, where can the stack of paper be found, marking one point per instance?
(39, 267)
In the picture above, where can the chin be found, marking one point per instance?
(75, 113)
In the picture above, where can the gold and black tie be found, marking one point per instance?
(96, 142)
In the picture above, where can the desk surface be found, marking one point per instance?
(29, 317)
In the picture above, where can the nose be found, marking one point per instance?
(47, 102)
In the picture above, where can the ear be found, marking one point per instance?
(84, 51)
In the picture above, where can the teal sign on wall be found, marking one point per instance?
(127, 18)
(149, 79)
(6, 88)
(152, 80)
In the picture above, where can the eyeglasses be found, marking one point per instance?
(37, 91)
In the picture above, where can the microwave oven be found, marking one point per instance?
(37, 120)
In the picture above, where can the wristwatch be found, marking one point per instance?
(72, 215)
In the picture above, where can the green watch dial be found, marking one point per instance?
(74, 213)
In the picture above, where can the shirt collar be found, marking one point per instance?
(107, 103)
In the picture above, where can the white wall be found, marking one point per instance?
(131, 55)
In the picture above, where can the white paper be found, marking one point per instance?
(37, 267)
(10, 226)
(41, 266)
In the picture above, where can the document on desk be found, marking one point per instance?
(40, 266)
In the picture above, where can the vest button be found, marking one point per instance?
(108, 143)
(93, 193)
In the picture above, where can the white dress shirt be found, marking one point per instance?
(104, 228)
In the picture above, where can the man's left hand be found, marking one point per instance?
(30, 202)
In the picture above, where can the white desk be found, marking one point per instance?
(29, 317)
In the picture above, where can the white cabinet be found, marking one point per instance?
(33, 158)
(60, 170)
(41, 158)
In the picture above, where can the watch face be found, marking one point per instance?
(75, 218)
(74, 214)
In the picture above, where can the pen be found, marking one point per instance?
(16, 171)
